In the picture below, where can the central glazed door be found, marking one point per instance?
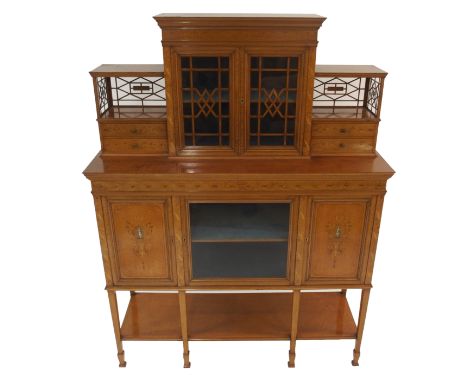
(240, 242)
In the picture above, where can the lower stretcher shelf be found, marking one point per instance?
(238, 316)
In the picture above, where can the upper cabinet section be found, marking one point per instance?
(238, 84)
(233, 83)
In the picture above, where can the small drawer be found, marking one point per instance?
(343, 146)
(134, 146)
(129, 130)
(341, 129)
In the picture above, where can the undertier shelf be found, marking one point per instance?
(238, 316)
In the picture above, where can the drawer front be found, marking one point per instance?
(337, 240)
(343, 146)
(141, 234)
(335, 130)
(130, 130)
(134, 146)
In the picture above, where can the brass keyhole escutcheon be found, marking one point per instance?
(338, 232)
(139, 234)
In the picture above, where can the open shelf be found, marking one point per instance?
(354, 113)
(348, 91)
(152, 316)
(238, 316)
(135, 112)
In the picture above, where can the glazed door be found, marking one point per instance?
(273, 94)
(142, 250)
(239, 242)
(206, 91)
(338, 240)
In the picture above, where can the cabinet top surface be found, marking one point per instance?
(238, 20)
(238, 15)
(146, 165)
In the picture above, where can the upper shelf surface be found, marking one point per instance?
(349, 70)
(130, 70)
(110, 70)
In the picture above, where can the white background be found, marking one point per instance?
(54, 316)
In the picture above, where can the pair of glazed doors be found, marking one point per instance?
(236, 100)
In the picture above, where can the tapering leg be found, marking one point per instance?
(343, 292)
(116, 322)
(294, 323)
(183, 327)
(360, 328)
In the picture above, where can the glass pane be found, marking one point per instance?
(204, 62)
(275, 62)
(239, 239)
(251, 259)
(273, 88)
(205, 100)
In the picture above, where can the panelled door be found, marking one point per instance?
(141, 232)
(338, 240)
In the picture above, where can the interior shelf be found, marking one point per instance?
(238, 316)
(135, 112)
(342, 112)
(159, 112)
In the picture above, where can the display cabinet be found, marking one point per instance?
(238, 167)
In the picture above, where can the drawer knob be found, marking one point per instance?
(135, 146)
(342, 130)
(342, 145)
(134, 131)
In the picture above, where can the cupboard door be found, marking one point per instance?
(337, 240)
(141, 241)
(240, 242)
(206, 90)
(272, 107)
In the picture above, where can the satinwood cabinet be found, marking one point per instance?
(238, 166)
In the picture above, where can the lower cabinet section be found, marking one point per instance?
(237, 242)
(141, 234)
(184, 246)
